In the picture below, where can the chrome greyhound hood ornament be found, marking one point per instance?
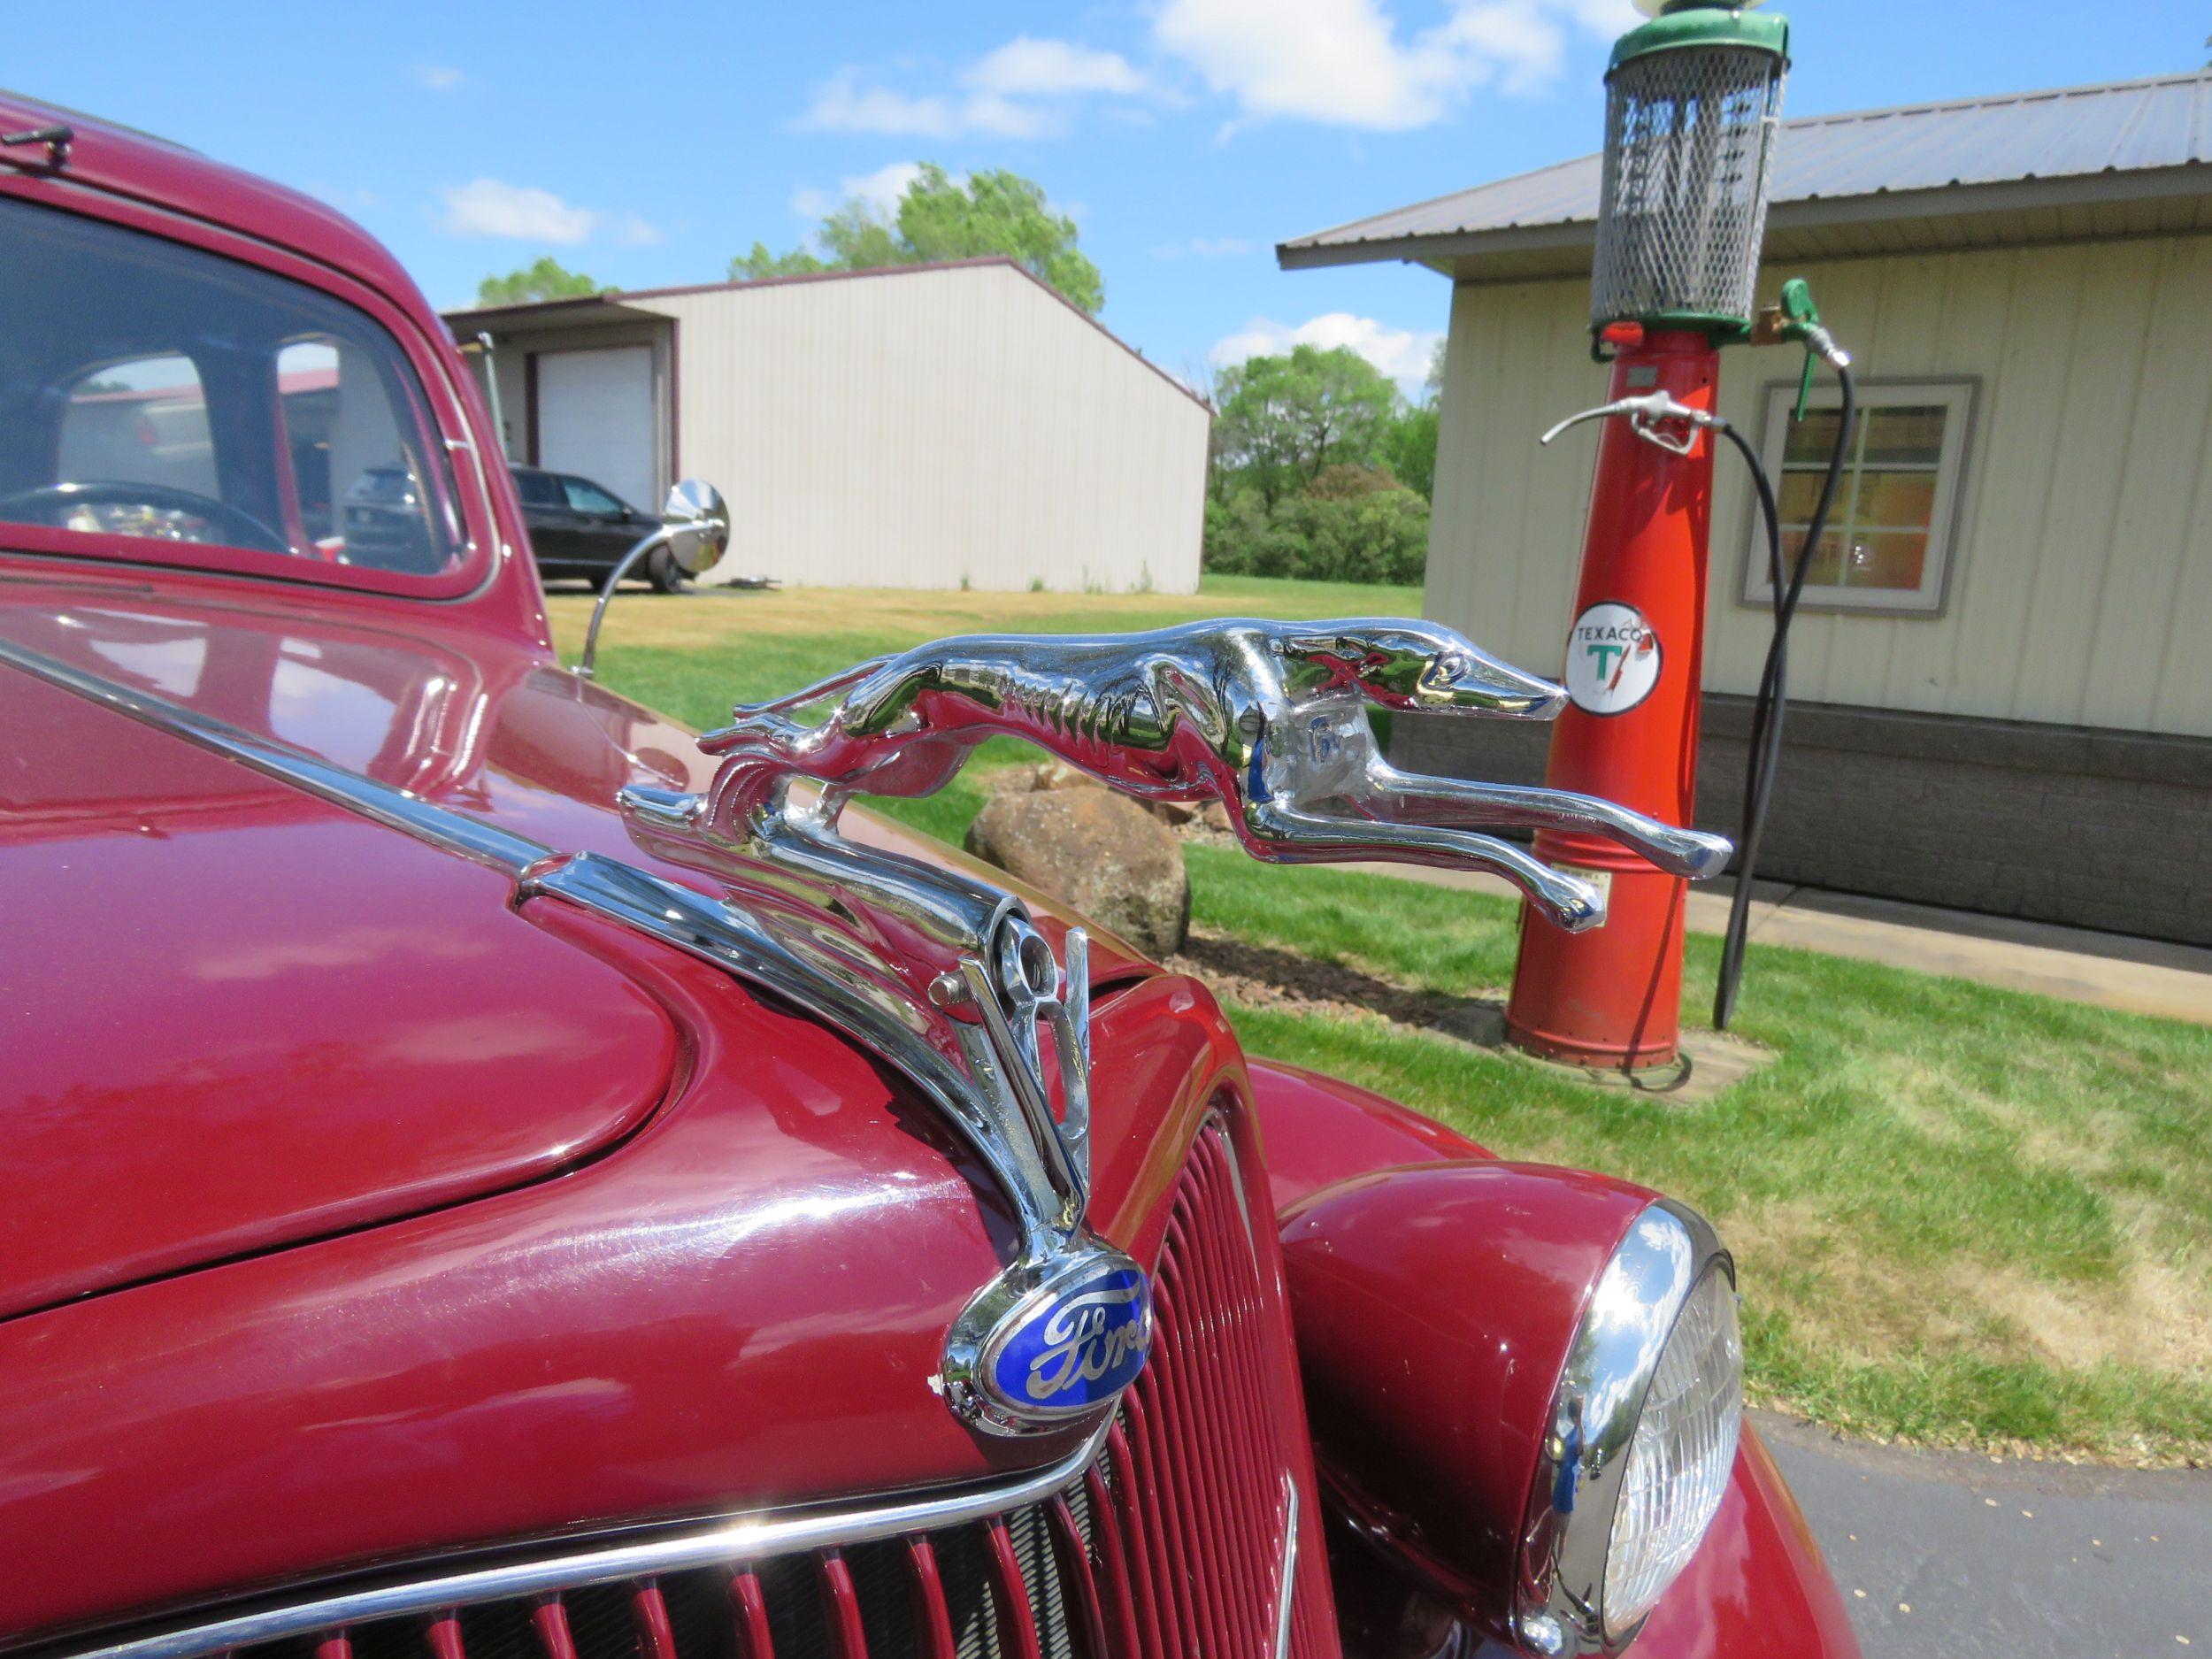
(1268, 717)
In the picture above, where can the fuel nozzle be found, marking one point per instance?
(1796, 318)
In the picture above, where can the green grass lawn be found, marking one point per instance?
(1961, 1215)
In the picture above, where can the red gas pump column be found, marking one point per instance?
(1611, 997)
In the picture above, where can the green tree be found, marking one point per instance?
(547, 280)
(1002, 212)
(941, 217)
(1283, 420)
(760, 263)
(1409, 448)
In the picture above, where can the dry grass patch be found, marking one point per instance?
(709, 618)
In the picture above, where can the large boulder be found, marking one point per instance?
(1100, 852)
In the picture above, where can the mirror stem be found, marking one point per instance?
(658, 537)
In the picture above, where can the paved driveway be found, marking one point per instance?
(1951, 1555)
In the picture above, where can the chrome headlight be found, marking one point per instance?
(1642, 1438)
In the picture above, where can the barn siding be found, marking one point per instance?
(936, 427)
(2082, 571)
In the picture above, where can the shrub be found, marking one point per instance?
(1354, 526)
(1346, 482)
(1233, 527)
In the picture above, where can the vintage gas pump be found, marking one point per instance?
(1694, 98)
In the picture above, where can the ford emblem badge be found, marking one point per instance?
(1071, 1341)
(1075, 1348)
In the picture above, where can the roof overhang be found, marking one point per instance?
(590, 310)
(2008, 213)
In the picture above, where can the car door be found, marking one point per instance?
(555, 535)
(606, 528)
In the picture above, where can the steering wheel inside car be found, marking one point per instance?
(235, 525)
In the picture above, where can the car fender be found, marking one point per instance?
(1757, 1585)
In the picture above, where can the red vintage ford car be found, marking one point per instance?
(487, 1177)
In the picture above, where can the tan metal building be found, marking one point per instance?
(1999, 690)
(919, 426)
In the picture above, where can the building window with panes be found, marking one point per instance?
(1888, 543)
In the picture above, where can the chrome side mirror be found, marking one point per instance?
(695, 529)
(702, 521)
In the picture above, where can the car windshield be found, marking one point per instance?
(155, 392)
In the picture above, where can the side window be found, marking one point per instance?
(363, 494)
(585, 497)
(540, 490)
(143, 421)
(171, 398)
(1887, 544)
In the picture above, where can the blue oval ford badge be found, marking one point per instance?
(1076, 1346)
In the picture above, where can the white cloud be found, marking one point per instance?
(1022, 89)
(881, 190)
(1403, 353)
(439, 77)
(1203, 248)
(843, 103)
(1522, 46)
(636, 232)
(1345, 62)
(489, 207)
(1053, 69)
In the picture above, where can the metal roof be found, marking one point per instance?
(2106, 142)
(584, 311)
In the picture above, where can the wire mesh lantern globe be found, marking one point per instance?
(1692, 101)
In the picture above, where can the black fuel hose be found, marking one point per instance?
(1765, 747)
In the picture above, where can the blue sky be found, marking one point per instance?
(647, 143)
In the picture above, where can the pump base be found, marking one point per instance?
(1609, 1000)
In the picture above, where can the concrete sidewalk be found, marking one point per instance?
(1958, 1555)
(2142, 976)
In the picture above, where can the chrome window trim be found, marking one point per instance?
(730, 1541)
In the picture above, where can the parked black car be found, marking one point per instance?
(580, 528)
(384, 528)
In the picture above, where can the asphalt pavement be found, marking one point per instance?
(1958, 1555)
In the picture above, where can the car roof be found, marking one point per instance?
(111, 157)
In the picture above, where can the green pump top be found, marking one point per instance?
(1676, 24)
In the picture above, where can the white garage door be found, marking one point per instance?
(595, 418)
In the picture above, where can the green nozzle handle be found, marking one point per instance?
(1801, 322)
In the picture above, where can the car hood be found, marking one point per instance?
(260, 1018)
(242, 1017)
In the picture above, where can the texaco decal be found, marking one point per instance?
(1612, 659)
